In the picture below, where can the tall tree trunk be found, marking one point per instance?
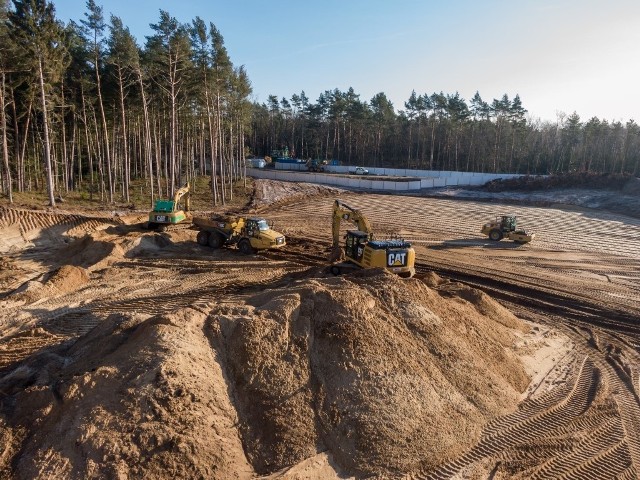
(65, 159)
(220, 148)
(147, 133)
(213, 143)
(433, 140)
(45, 126)
(172, 141)
(86, 134)
(107, 150)
(73, 151)
(20, 143)
(125, 146)
(5, 145)
(99, 156)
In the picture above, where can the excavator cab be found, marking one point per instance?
(355, 243)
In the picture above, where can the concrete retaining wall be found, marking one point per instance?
(418, 179)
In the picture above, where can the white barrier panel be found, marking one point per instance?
(434, 178)
(439, 182)
(343, 182)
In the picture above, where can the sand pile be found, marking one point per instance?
(383, 375)
(88, 251)
(269, 192)
(65, 279)
(146, 245)
(132, 399)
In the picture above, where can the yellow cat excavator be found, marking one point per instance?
(361, 250)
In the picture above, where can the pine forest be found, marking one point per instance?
(86, 107)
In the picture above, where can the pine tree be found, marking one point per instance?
(170, 51)
(40, 36)
(94, 26)
(7, 56)
(122, 55)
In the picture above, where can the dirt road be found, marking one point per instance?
(578, 283)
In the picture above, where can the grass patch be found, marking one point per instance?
(139, 197)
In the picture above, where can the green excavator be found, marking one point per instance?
(170, 212)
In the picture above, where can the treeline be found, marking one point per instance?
(84, 107)
(443, 132)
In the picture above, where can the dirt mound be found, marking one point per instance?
(132, 399)
(68, 278)
(269, 192)
(88, 251)
(149, 244)
(349, 366)
(379, 374)
(65, 279)
(583, 180)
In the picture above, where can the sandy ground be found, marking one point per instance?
(126, 353)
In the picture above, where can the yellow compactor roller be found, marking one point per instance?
(505, 226)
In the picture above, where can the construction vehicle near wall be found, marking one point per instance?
(505, 226)
(361, 250)
(168, 212)
(248, 234)
(316, 165)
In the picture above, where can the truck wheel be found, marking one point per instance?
(495, 235)
(202, 238)
(215, 240)
(335, 270)
(245, 247)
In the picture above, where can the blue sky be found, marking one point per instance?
(558, 55)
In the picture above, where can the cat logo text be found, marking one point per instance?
(397, 259)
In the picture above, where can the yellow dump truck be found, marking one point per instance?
(249, 234)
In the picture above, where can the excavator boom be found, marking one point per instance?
(342, 211)
(181, 192)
